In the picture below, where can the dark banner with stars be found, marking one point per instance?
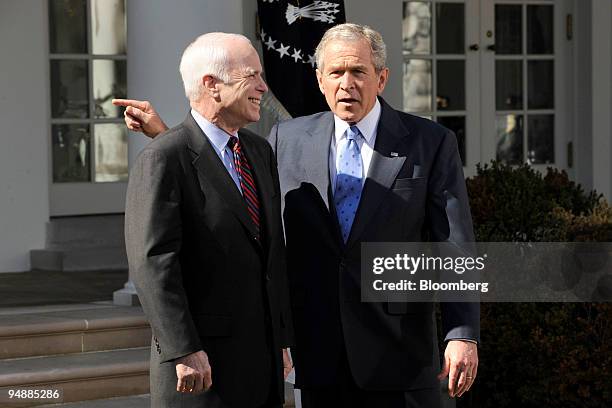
(290, 32)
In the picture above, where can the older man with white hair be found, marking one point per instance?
(205, 241)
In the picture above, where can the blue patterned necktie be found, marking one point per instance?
(349, 176)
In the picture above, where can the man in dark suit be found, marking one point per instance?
(365, 172)
(204, 240)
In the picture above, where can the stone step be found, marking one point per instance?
(36, 332)
(79, 259)
(80, 377)
(136, 401)
(87, 243)
(85, 231)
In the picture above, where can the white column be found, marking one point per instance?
(602, 96)
(25, 133)
(158, 32)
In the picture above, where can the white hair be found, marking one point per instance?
(206, 55)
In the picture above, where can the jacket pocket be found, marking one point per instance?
(402, 183)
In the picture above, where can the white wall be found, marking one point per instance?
(158, 32)
(24, 134)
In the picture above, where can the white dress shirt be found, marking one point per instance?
(219, 138)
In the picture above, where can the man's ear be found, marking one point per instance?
(211, 85)
(320, 81)
(383, 77)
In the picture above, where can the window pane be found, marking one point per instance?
(508, 85)
(416, 27)
(109, 81)
(510, 138)
(450, 33)
(540, 30)
(69, 94)
(108, 26)
(457, 125)
(71, 161)
(508, 29)
(67, 27)
(451, 85)
(540, 81)
(417, 86)
(111, 152)
(541, 139)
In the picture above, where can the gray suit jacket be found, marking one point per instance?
(416, 194)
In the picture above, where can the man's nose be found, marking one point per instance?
(347, 81)
(262, 86)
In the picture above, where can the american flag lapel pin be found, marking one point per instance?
(394, 154)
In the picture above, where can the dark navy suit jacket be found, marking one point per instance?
(414, 191)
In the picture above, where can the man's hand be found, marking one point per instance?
(140, 116)
(287, 363)
(461, 362)
(193, 372)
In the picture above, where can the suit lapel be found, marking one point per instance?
(316, 158)
(383, 170)
(212, 172)
(316, 164)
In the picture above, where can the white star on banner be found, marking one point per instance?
(297, 55)
(283, 50)
(262, 35)
(311, 60)
(270, 43)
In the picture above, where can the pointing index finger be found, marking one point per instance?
(142, 105)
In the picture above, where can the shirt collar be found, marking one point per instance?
(217, 136)
(367, 125)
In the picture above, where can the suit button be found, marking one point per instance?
(268, 277)
(342, 265)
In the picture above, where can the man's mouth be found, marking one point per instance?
(255, 101)
(347, 100)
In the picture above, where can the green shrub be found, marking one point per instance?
(540, 354)
(511, 204)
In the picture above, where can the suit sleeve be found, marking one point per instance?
(153, 238)
(450, 221)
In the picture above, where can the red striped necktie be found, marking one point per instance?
(247, 183)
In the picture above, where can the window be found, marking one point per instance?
(496, 81)
(524, 83)
(88, 68)
(433, 36)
